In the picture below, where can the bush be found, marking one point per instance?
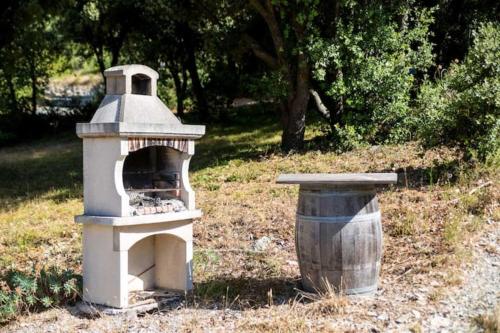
(462, 108)
(20, 292)
(373, 66)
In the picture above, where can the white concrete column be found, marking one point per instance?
(105, 271)
(103, 160)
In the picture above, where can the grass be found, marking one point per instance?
(490, 322)
(430, 216)
(40, 191)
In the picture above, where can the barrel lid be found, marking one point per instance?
(344, 179)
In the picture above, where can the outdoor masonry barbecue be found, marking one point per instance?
(138, 203)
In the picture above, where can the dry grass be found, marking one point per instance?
(490, 322)
(428, 218)
(40, 192)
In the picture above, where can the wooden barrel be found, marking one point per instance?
(338, 238)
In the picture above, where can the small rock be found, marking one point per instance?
(262, 243)
(416, 314)
(439, 322)
(383, 317)
(329, 327)
(403, 319)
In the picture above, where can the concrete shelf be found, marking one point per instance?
(122, 129)
(137, 220)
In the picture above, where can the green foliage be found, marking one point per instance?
(28, 49)
(346, 138)
(463, 107)
(20, 292)
(266, 86)
(365, 58)
(372, 65)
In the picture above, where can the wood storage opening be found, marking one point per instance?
(338, 235)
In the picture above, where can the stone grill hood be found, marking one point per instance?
(132, 109)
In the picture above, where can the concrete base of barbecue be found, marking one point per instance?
(118, 260)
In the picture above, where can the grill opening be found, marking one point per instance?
(152, 180)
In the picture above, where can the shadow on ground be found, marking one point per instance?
(245, 292)
(52, 170)
(229, 293)
(250, 133)
(444, 172)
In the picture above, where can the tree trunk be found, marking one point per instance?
(292, 138)
(115, 55)
(322, 109)
(179, 91)
(12, 94)
(34, 87)
(201, 101)
(199, 94)
(294, 114)
(338, 109)
(116, 47)
(230, 93)
(183, 87)
(99, 54)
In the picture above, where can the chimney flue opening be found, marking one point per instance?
(141, 84)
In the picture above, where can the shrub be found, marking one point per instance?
(20, 292)
(462, 108)
(373, 66)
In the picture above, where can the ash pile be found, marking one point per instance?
(142, 204)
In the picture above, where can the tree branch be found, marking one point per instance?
(267, 13)
(260, 53)
(322, 109)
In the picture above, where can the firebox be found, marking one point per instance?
(138, 204)
(151, 179)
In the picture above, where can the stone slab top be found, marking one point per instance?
(139, 130)
(343, 179)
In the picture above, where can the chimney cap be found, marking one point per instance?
(130, 70)
(131, 79)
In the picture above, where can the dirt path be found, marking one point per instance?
(478, 295)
